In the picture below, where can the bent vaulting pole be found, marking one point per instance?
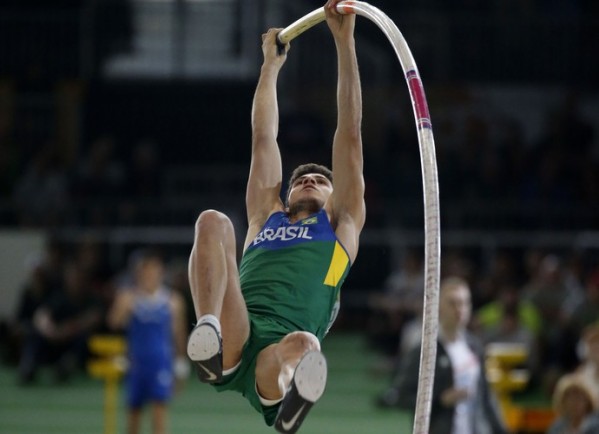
(430, 188)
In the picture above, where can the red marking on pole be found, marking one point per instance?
(418, 99)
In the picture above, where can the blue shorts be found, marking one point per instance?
(145, 384)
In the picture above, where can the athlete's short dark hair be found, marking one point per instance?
(304, 169)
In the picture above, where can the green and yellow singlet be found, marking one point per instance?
(293, 272)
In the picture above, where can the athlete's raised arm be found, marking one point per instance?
(265, 179)
(347, 207)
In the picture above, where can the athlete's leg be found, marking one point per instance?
(277, 362)
(159, 418)
(214, 282)
(134, 420)
(136, 396)
(295, 370)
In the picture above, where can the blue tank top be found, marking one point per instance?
(149, 333)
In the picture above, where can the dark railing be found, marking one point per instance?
(448, 45)
(40, 46)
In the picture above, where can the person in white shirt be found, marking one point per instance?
(462, 401)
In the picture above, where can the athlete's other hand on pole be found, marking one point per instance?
(342, 26)
(270, 48)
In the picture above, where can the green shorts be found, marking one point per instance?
(264, 331)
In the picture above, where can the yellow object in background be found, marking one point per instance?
(109, 365)
(505, 378)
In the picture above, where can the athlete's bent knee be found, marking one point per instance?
(301, 342)
(211, 220)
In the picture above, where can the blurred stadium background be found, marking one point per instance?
(120, 120)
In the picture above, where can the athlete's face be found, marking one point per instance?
(312, 188)
(149, 274)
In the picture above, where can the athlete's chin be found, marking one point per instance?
(308, 205)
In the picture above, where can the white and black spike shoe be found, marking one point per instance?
(205, 349)
(307, 386)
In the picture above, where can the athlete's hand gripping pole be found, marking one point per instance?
(299, 26)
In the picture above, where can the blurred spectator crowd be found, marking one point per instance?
(95, 190)
(65, 300)
(492, 174)
(545, 302)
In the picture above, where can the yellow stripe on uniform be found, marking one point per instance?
(338, 265)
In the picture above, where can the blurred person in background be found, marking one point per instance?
(91, 256)
(41, 192)
(60, 328)
(35, 292)
(44, 278)
(575, 404)
(509, 297)
(177, 280)
(400, 301)
(548, 290)
(583, 316)
(587, 311)
(502, 267)
(154, 320)
(462, 400)
(101, 175)
(588, 350)
(511, 320)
